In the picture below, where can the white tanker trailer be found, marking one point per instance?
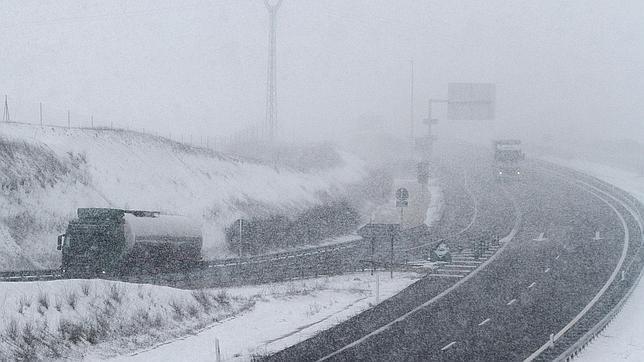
(116, 241)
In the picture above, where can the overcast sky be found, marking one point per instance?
(573, 68)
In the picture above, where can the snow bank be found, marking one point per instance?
(46, 173)
(65, 319)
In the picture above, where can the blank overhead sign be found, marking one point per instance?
(470, 101)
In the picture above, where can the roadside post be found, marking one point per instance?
(240, 238)
(375, 232)
(402, 201)
(239, 246)
(217, 350)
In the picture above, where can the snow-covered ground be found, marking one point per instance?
(283, 315)
(47, 173)
(623, 339)
(67, 318)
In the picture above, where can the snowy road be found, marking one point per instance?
(548, 274)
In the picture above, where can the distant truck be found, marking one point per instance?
(508, 158)
(115, 241)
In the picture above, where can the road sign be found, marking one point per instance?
(440, 252)
(471, 101)
(378, 230)
(402, 197)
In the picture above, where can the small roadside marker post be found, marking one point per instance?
(377, 288)
(552, 340)
(402, 201)
(217, 351)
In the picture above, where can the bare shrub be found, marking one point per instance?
(85, 288)
(115, 293)
(72, 299)
(43, 300)
(222, 297)
(29, 335)
(177, 309)
(72, 331)
(193, 311)
(158, 321)
(12, 331)
(204, 299)
(58, 304)
(23, 302)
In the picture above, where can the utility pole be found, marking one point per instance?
(271, 82)
(41, 123)
(240, 239)
(69, 120)
(91, 120)
(411, 106)
(6, 117)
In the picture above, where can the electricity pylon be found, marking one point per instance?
(271, 82)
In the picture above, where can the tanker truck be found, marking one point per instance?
(103, 241)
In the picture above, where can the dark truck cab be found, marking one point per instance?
(508, 158)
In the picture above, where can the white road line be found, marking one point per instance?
(448, 346)
(484, 322)
(446, 275)
(557, 256)
(547, 270)
(511, 302)
(532, 285)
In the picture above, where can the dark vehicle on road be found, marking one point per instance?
(114, 242)
(508, 158)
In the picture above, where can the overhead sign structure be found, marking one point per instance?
(378, 230)
(402, 197)
(471, 101)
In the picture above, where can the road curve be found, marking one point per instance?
(570, 241)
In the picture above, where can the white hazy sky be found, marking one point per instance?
(573, 68)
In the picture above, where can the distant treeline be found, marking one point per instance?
(279, 232)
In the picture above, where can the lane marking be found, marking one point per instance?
(448, 346)
(511, 302)
(557, 257)
(484, 322)
(547, 270)
(597, 236)
(531, 285)
(540, 238)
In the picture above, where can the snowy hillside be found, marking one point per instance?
(46, 173)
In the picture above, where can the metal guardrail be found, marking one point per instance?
(30, 275)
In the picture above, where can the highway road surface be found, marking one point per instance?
(564, 242)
